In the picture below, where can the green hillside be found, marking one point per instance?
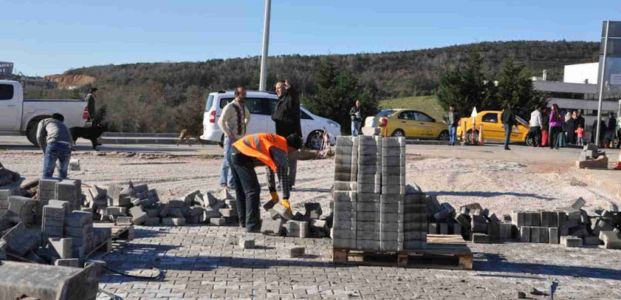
(427, 104)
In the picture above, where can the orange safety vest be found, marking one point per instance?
(258, 146)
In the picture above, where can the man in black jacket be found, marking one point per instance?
(508, 120)
(286, 117)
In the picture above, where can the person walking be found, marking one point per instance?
(556, 126)
(535, 124)
(452, 119)
(570, 128)
(266, 149)
(545, 126)
(286, 117)
(55, 140)
(602, 125)
(508, 120)
(90, 103)
(356, 118)
(233, 122)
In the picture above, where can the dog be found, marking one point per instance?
(89, 133)
(186, 136)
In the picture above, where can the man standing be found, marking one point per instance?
(452, 119)
(90, 103)
(233, 122)
(261, 149)
(508, 120)
(535, 123)
(55, 140)
(286, 117)
(356, 118)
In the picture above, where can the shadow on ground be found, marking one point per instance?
(487, 194)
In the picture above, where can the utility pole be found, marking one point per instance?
(602, 67)
(266, 42)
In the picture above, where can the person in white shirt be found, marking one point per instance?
(535, 123)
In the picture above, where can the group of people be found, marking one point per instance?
(278, 152)
(553, 128)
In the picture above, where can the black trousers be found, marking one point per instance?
(247, 191)
(554, 132)
(534, 134)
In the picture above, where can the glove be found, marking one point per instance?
(285, 203)
(269, 204)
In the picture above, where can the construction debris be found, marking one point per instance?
(592, 158)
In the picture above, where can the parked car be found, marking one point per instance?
(493, 129)
(261, 106)
(406, 122)
(19, 115)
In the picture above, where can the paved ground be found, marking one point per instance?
(200, 262)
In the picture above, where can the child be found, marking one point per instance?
(580, 135)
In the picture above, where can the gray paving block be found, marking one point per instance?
(138, 215)
(297, 228)
(24, 209)
(344, 196)
(433, 228)
(506, 231)
(367, 235)
(480, 238)
(549, 219)
(611, 239)
(20, 240)
(369, 245)
(344, 243)
(368, 226)
(246, 242)
(368, 207)
(173, 221)
(152, 221)
(571, 241)
(393, 189)
(553, 236)
(78, 218)
(525, 234)
(296, 252)
(413, 245)
(61, 246)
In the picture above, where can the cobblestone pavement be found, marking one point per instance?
(205, 262)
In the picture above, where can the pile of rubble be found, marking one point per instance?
(51, 228)
(592, 158)
(572, 227)
(373, 208)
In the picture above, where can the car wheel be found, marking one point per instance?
(444, 135)
(314, 140)
(398, 133)
(31, 131)
(529, 142)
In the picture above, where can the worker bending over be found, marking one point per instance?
(266, 149)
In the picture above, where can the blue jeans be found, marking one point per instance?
(56, 152)
(507, 134)
(226, 176)
(452, 134)
(355, 128)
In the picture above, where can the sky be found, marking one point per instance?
(50, 37)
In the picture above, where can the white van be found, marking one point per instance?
(261, 105)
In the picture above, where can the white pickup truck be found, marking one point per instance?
(20, 116)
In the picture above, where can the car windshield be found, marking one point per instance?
(385, 113)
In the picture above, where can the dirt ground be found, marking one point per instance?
(499, 183)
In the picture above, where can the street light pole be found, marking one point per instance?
(266, 41)
(601, 84)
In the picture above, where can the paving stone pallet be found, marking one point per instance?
(441, 251)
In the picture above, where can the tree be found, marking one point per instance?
(515, 88)
(190, 114)
(463, 87)
(336, 92)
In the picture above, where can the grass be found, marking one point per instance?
(427, 104)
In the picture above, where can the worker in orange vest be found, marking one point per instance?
(266, 149)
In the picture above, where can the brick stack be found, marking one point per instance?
(4, 200)
(541, 226)
(53, 221)
(378, 212)
(70, 191)
(47, 190)
(79, 227)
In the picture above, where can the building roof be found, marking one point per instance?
(564, 87)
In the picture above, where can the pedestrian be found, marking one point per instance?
(90, 103)
(535, 123)
(286, 117)
(545, 126)
(55, 140)
(508, 120)
(570, 128)
(556, 126)
(611, 129)
(233, 122)
(452, 119)
(580, 119)
(580, 135)
(356, 118)
(266, 149)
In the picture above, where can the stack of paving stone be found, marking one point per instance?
(373, 209)
(79, 227)
(53, 221)
(478, 224)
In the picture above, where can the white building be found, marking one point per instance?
(581, 73)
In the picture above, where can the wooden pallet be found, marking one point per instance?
(442, 251)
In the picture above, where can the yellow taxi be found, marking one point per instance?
(491, 123)
(407, 123)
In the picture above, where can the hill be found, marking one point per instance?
(144, 96)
